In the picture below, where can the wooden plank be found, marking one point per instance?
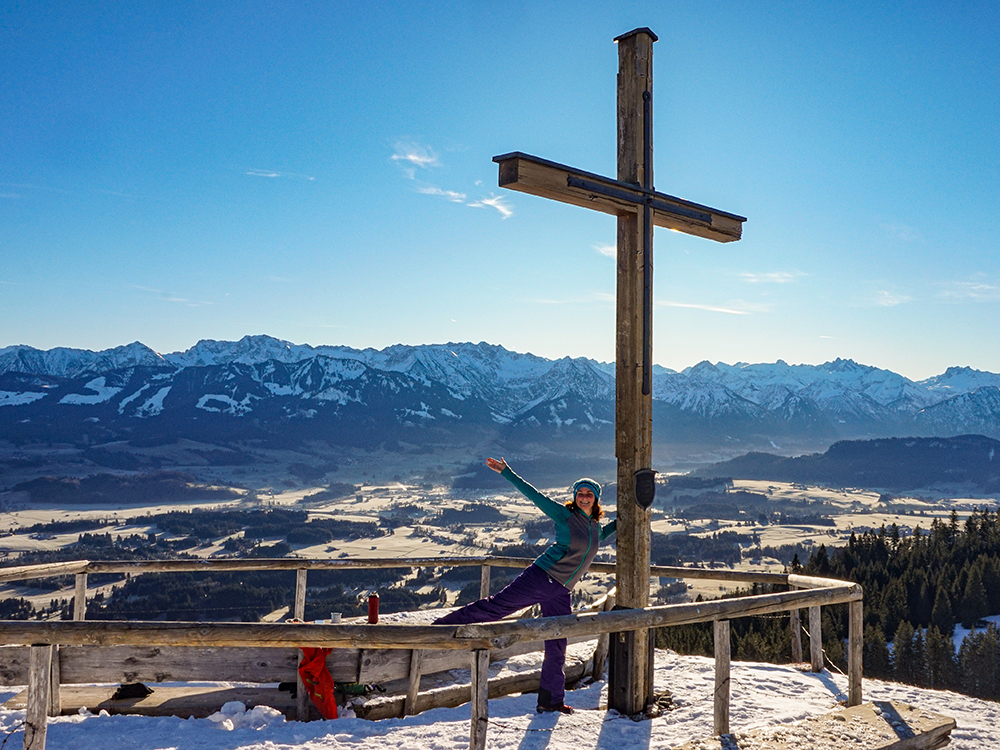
(722, 680)
(479, 722)
(299, 607)
(607, 603)
(123, 664)
(272, 635)
(80, 597)
(55, 677)
(665, 615)
(796, 628)
(484, 582)
(413, 685)
(535, 176)
(386, 665)
(197, 701)
(232, 564)
(458, 637)
(882, 725)
(815, 639)
(14, 665)
(44, 570)
(36, 713)
(855, 652)
(456, 695)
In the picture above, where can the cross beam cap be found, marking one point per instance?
(636, 32)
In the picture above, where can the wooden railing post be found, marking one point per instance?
(80, 597)
(299, 613)
(413, 687)
(796, 626)
(480, 695)
(815, 640)
(36, 716)
(603, 641)
(722, 662)
(855, 651)
(484, 582)
(55, 677)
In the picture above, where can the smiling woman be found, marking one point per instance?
(549, 580)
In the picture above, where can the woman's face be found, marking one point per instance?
(585, 500)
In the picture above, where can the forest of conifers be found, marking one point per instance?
(917, 588)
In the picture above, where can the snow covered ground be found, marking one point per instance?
(762, 695)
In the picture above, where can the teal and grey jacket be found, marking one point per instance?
(577, 535)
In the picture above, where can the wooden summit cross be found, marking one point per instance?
(632, 198)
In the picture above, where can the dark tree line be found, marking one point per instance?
(917, 588)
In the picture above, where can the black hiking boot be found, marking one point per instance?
(548, 708)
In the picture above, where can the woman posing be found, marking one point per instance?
(550, 578)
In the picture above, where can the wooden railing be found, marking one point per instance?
(480, 639)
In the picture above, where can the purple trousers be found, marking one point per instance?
(533, 586)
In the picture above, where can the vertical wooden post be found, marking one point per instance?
(603, 642)
(480, 699)
(302, 702)
(722, 681)
(55, 677)
(36, 717)
(855, 652)
(815, 640)
(484, 582)
(796, 626)
(80, 597)
(630, 653)
(413, 688)
(299, 610)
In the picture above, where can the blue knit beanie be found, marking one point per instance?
(586, 482)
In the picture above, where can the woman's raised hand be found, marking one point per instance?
(497, 466)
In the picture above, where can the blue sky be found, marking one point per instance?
(322, 172)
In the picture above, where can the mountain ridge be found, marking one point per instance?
(425, 395)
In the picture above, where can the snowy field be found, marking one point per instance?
(763, 695)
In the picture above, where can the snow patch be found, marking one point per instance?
(9, 398)
(234, 715)
(231, 406)
(153, 405)
(101, 393)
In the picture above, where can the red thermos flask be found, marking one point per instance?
(373, 609)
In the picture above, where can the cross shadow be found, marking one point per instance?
(610, 738)
(538, 733)
(896, 722)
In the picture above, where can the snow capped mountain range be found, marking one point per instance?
(260, 384)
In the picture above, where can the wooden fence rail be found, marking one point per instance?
(419, 641)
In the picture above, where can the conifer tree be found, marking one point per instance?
(876, 661)
(975, 605)
(940, 664)
(905, 666)
(942, 617)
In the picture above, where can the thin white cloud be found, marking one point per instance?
(412, 156)
(970, 291)
(166, 296)
(271, 174)
(886, 298)
(610, 251)
(451, 195)
(10, 195)
(777, 277)
(706, 308)
(496, 202)
(902, 232)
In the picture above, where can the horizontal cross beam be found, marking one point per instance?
(529, 174)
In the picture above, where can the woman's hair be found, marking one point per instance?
(595, 513)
